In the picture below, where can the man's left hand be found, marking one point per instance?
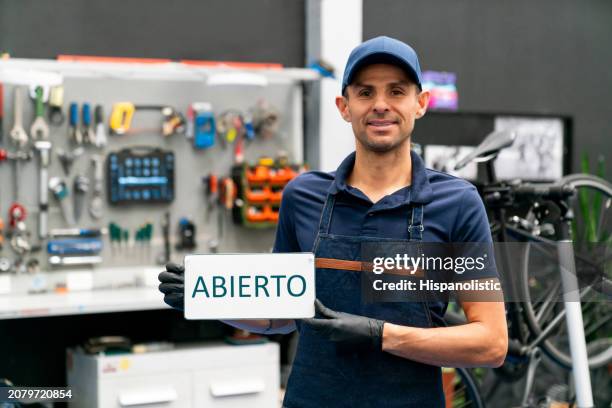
(353, 331)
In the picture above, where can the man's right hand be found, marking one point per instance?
(172, 285)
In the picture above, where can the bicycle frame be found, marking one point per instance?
(573, 311)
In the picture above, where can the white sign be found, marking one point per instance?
(249, 286)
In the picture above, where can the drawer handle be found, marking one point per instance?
(147, 396)
(220, 389)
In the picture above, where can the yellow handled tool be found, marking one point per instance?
(121, 117)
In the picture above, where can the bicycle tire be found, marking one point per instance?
(563, 358)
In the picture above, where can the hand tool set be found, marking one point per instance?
(91, 176)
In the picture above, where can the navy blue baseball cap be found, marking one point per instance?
(382, 50)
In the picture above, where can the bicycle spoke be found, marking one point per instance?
(550, 302)
(548, 329)
(602, 219)
(600, 323)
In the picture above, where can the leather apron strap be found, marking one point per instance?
(359, 266)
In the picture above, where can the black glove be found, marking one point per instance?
(348, 330)
(172, 285)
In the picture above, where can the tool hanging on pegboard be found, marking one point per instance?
(186, 235)
(88, 130)
(220, 194)
(19, 235)
(232, 130)
(96, 203)
(40, 133)
(67, 158)
(202, 125)
(60, 191)
(74, 131)
(265, 119)
(89, 137)
(56, 103)
(100, 126)
(164, 257)
(1, 113)
(18, 135)
(80, 187)
(173, 122)
(17, 213)
(118, 236)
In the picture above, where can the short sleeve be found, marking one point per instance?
(471, 224)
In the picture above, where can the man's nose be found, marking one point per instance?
(380, 104)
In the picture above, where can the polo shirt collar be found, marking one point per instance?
(418, 192)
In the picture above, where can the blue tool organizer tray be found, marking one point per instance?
(140, 175)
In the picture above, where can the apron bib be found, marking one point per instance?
(326, 376)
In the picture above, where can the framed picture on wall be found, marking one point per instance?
(443, 158)
(537, 152)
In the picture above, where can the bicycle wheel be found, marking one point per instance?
(592, 224)
(461, 389)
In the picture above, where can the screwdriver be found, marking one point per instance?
(1, 113)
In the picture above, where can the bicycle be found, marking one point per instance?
(535, 322)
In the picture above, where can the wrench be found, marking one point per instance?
(60, 191)
(95, 205)
(44, 150)
(18, 135)
(40, 132)
(1, 113)
(16, 157)
(39, 129)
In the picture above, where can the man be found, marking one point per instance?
(388, 353)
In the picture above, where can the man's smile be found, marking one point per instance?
(381, 124)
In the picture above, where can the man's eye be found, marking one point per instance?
(364, 92)
(397, 91)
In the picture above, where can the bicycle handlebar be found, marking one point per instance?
(506, 195)
(545, 191)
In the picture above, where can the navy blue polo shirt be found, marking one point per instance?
(452, 210)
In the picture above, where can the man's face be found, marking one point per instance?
(382, 105)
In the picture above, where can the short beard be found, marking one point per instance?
(381, 149)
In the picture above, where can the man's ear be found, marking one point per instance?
(423, 101)
(342, 105)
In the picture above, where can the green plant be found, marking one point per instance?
(592, 228)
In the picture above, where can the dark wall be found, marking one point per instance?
(254, 30)
(547, 57)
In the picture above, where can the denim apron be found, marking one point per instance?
(325, 376)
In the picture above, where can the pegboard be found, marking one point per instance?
(191, 164)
